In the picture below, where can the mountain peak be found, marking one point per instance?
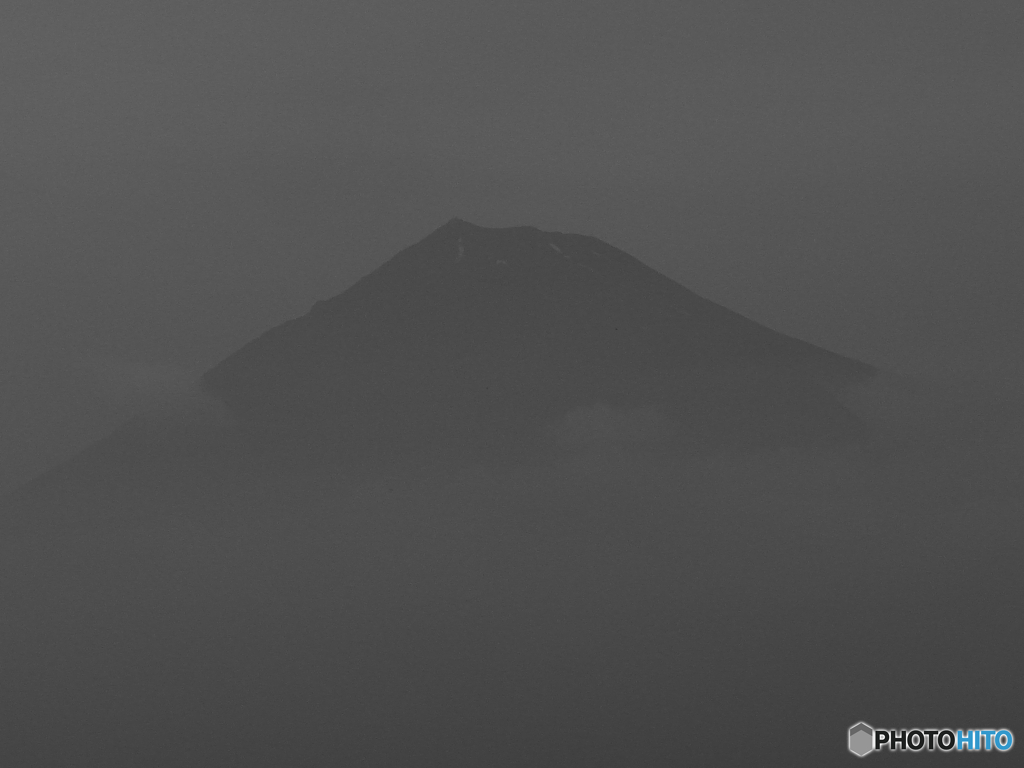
(453, 224)
(516, 250)
(456, 226)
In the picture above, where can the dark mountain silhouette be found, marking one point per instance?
(478, 336)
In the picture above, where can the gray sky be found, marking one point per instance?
(175, 178)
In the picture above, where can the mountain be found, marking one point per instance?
(477, 336)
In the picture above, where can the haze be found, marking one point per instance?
(177, 180)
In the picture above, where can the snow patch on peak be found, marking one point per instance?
(555, 247)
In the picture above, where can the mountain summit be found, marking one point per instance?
(479, 336)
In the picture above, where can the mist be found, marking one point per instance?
(176, 181)
(606, 602)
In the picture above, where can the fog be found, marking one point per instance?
(176, 181)
(607, 601)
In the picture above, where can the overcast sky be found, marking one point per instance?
(175, 178)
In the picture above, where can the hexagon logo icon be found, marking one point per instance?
(862, 738)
